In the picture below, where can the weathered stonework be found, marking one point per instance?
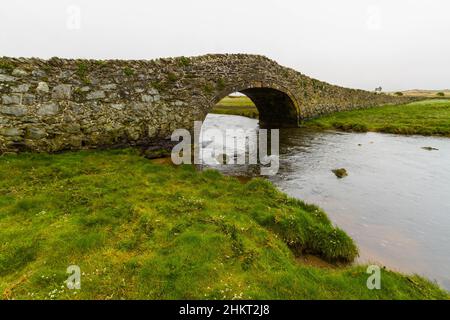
(59, 104)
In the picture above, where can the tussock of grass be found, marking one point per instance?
(428, 117)
(138, 229)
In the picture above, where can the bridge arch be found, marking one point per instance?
(277, 107)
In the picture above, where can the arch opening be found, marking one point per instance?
(274, 108)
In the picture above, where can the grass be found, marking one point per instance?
(143, 230)
(426, 93)
(428, 117)
(240, 106)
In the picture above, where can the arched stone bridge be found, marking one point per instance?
(58, 104)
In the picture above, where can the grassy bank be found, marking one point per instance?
(428, 117)
(139, 229)
(424, 93)
(240, 106)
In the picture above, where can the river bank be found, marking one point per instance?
(427, 117)
(140, 229)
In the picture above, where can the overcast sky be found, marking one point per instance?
(401, 44)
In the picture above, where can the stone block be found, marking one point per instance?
(42, 87)
(48, 109)
(17, 111)
(62, 92)
(95, 95)
(35, 133)
(11, 99)
(11, 132)
(22, 88)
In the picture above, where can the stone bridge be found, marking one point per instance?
(59, 104)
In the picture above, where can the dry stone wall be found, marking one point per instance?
(59, 104)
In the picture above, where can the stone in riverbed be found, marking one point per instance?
(429, 148)
(340, 173)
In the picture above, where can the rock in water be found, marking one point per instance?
(429, 148)
(340, 173)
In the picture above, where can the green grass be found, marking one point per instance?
(428, 117)
(139, 229)
(240, 106)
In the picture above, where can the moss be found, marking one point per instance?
(128, 71)
(158, 85)
(6, 65)
(208, 88)
(172, 77)
(220, 84)
(183, 61)
(101, 63)
(82, 72)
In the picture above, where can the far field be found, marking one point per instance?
(241, 106)
(426, 117)
(425, 93)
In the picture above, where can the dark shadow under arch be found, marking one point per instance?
(276, 106)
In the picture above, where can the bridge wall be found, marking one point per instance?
(58, 104)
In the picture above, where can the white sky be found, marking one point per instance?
(396, 44)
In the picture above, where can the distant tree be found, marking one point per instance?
(440, 94)
(398, 93)
(378, 90)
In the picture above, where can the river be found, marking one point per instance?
(395, 201)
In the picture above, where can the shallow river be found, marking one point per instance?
(395, 201)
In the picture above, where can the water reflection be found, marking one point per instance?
(395, 202)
